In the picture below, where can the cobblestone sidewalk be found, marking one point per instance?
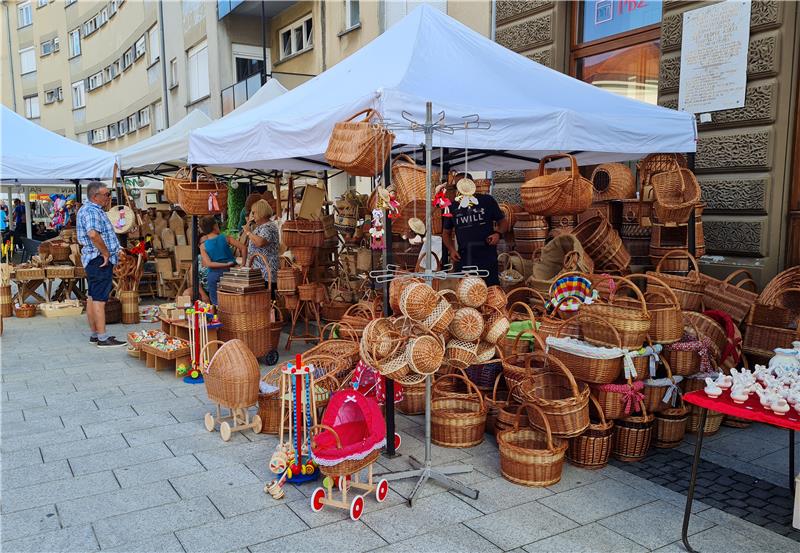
(100, 453)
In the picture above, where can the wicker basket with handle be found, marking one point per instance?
(619, 400)
(677, 194)
(730, 296)
(232, 375)
(600, 367)
(531, 456)
(360, 147)
(632, 437)
(688, 289)
(457, 420)
(632, 323)
(671, 426)
(303, 233)
(205, 196)
(559, 193)
(409, 179)
(592, 449)
(666, 316)
(171, 184)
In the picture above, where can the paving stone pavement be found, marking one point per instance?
(100, 453)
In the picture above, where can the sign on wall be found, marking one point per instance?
(714, 57)
(604, 18)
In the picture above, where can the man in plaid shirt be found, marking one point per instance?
(98, 256)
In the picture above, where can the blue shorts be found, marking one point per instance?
(100, 279)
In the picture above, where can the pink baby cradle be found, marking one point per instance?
(349, 439)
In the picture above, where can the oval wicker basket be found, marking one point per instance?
(409, 179)
(530, 456)
(559, 193)
(467, 324)
(25, 311)
(677, 193)
(457, 420)
(594, 370)
(195, 198)
(360, 147)
(632, 323)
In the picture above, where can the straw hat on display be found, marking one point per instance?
(122, 218)
(465, 187)
(417, 226)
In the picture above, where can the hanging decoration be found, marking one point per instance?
(377, 232)
(441, 200)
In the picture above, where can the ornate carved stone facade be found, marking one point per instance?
(744, 238)
(735, 193)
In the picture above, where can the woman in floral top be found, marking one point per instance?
(263, 237)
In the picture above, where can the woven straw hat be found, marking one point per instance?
(119, 212)
(466, 187)
(417, 226)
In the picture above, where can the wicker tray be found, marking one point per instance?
(168, 355)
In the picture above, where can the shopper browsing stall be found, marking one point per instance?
(473, 221)
(263, 237)
(216, 251)
(98, 256)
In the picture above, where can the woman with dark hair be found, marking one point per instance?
(216, 252)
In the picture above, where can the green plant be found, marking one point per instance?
(236, 199)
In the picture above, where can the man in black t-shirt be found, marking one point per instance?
(475, 231)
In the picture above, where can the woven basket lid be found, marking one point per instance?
(122, 218)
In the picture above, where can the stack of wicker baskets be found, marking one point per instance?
(245, 311)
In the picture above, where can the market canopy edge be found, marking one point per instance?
(429, 56)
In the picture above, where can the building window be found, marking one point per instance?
(144, 117)
(41, 3)
(46, 47)
(123, 127)
(32, 107)
(155, 45)
(133, 122)
(127, 59)
(78, 95)
(197, 72)
(96, 81)
(616, 46)
(54, 95)
(74, 43)
(113, 6)
(89, 27)
(158, 114)
(27, 60)
(24, 15)
(101, 18)
(173, 73)
(112, 131)
(99, 135)
(140, 47)
(296, 37)
(115, 69)
(69, 2)
(352, 16)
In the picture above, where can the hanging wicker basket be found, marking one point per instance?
(559, 193)
(472, 291)
(409, 179)
(360, 147)
(205, 196)
(530, 456)
(467, 324)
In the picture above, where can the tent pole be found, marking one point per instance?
(195, 246)
(26, 199)
(691, 237)
(387, 259)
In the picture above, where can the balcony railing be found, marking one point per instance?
(237, 94)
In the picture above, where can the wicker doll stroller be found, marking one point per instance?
(349, 439)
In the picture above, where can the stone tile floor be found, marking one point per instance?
(100, 453)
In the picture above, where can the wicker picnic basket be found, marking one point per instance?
(472, 291)
(592, 449)
(618, 400)
(613, 181)
(733, 298)
(671, 426)
(457, 420)
(409, 179)
(632, 437)
(360, 147)
(688, 289)
(677, 194)
(632, 323)
(232, 375)
(197, 198)
(559, 193)
(563, 400)
(530, 456)
(308, 233)
(587, 363)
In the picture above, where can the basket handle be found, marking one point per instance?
(404, 158)
(279, 313)
(332, 326)
(203, 351)
(528, 290)
(368, 114)
(551, 157)
(314, 430)
(494, 388)
(580, 315)
(748, 282)
(572, 383)
(550, 445)
(681, 253)
(265, 263)
(635, 289)
(470, 386)
(739, 272)
(599, 409)
(650, 277)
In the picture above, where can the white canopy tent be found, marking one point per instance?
(428, 56)
(171, 146)
(33, 155)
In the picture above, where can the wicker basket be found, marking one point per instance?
(171, 184)
(496, 327)
(195, 198)
(413, 402)
(528, 456)
(60, 251)
(592, 449)
(467, 324)
(243, 303)
(457, 420)
(130, 307)
(496, 298)
(724, 295)
(289, 277)
(425, 354)
(761, 341)
(409, 179)
(619, 400)
(25, 311)
(713, 421)
(666, 317)
(559, 193)
(688, 289)
(302, 233)
(657, 391)
(563, 400)
(232, 375)
(677, 193)
(360, 147)
(632, 324)
(602, 243)
(595, 370)
(418, 301)
(632, 437)
(269, 404)
(535, 228)
(496, 400)
(706, 326)
(613, 181)
(440, 318)
(460, 354)
(671, 426)
(6, 302)
(472, 291)
(518, 367)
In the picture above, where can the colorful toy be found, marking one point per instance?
(376, 232)
(292, 459)
(372, 384)
(349, 440)
(441, 200)
(198, 338)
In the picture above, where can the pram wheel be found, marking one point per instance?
(209, 422)
(397, 441)
(271, 357)
(382, 490)
(256, 424)
(357, 507)
(316, 500)
(225, 431)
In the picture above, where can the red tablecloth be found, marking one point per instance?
(750, 410)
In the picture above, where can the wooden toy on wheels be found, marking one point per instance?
(348, 441)
(231, 378)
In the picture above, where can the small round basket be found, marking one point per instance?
(496, 327)
(529, 456)
(592, 449)
(467, 324)
(418, 301)
(425, 354)
(671, 426)
(460, 354)
(440, 318)
(632, 436)
(472, 291)
(496, 297)
(25, 311)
